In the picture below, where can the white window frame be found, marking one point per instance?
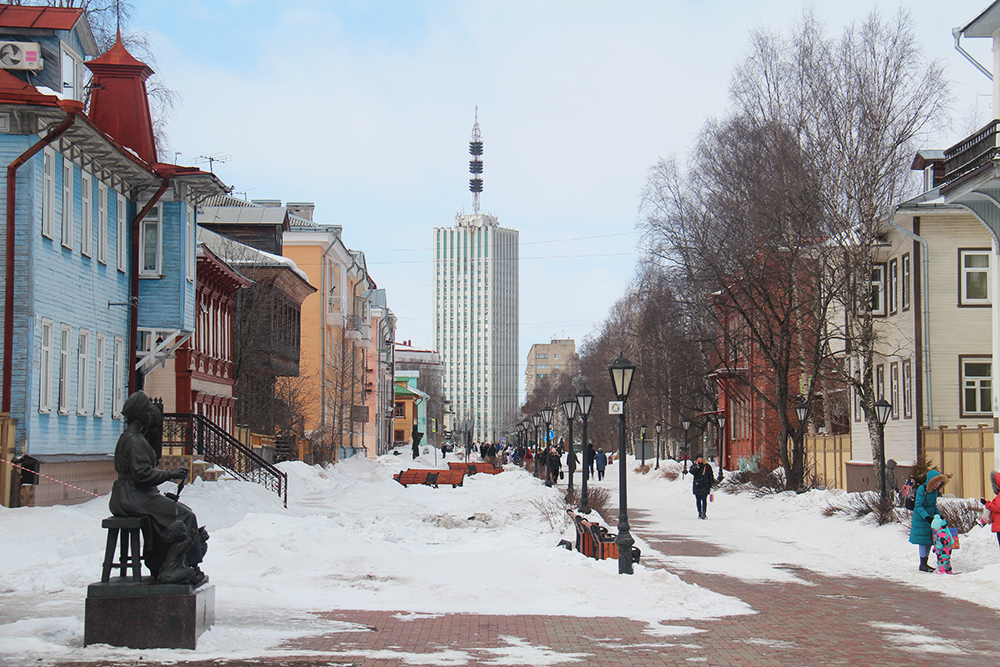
(99, 355)
(118, 378)
(152, 223)
(907, 389)
(977, 383)
(72, 89)
(66, 236)
(65, 341)
(122, 231)
(965, 272)
(86, 214)
(46, 360)
(82, 372)
(102, 222)
(894, 389)
(906, 284)
(48, 192)
(892, 286)
(877, 290)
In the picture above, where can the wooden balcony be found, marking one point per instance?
(970, 156)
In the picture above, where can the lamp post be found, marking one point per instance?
(659, 427)
(584, 398)
(621, 371)
(547, 419)
(569, 408)
(882, 410)
(536, 419)
(802, 412)
(686, 425)
(642, 442)
(721, 421)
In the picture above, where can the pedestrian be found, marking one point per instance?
(588, 458)
(702, 485)
(993, 506)
(944, 541)
(554, 464)
(891, 486)
(601, 459)
(924, 509)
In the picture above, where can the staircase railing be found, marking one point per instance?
(197, 433)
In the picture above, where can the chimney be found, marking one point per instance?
(303, 209)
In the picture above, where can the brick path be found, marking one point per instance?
(829, 621)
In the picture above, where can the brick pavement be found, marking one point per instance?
(827, 621)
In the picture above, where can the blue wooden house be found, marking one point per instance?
(99, 237)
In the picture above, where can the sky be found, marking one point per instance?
(353, 538)
(366, 108)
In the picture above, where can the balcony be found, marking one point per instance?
(970, 156)
(358, 329)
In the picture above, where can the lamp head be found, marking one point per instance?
(802, 411)
(685, 423)
(584, 398)
(882, 410)
(621, 371)
(659, 427)
(569, 407)
(547, 414)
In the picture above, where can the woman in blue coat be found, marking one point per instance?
(924, 509)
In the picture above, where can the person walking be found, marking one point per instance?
(601, 459)
(993, 506)
(702, 485)
(924, 509)
(588, 458)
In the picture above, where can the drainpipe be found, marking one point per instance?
(957, 34)
(133, 333)
(322, 339)
(924, 314)
(72, 109)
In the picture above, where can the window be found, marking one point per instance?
(99, 353)
(400, 409)
(118, 378)
(906, 282)
(45, 368)
(149, 242)
(82, 372)
(86, 215)
(64, 343)
(122, 232)
(977, 385)
(893, 286)
(907, 390)
(877, 299)
(72, 75)
(975, 277)
(894, 388)
(67, 204)
(48, 192)
(102, 223)
(879, 381)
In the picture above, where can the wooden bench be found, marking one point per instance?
(473, 468)
(594, 541)
(430, 477)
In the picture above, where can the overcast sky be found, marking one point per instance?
(366, 109)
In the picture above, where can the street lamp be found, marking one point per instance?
(802, 412)
(642, 442)
(686, 425)
(721, 421)
(569, 408)
(659, 427)
(547, 419)
(584, 398)
(882, 410)
(622, 371)
(536, 419)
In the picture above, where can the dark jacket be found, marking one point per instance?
(703, 479)
(601, 459)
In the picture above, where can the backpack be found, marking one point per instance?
(908, 494)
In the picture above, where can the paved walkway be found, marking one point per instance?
(829, 621)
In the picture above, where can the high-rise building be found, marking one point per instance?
(476, 314)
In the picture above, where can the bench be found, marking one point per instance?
(473, 468)
(594, 541)
(430, 477)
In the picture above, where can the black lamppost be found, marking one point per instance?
(569, 408)
(622, 370)
(584, 398)
(686, 425)
(659, 427)
(720, 419)
(536, 419)
(802, 412)
(642, 442)
(547, 420)
(882, 410)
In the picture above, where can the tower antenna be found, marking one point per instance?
(476, 164)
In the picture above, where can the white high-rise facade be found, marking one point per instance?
(476, 322)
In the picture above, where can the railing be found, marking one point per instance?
(198, 434)
(357, 324)
(971, 153)
(965, 453)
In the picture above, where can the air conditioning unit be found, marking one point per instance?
(20, 55)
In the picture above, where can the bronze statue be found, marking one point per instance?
(175, 544)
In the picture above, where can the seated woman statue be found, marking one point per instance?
(175, 544)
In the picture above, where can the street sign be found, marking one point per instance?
(616, 407)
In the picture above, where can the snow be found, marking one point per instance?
(353, 538)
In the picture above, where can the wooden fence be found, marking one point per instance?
(827, 456)
(965, 453)
(7, 426)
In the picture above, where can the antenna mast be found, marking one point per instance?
(476, 164)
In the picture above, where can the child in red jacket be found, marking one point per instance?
(994, 505)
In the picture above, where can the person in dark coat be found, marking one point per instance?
(601, 460)
(924, 509)
(588, 458)
(702, 485)
(553, 464)
(176, 544)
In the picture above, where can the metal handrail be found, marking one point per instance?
(971, 153)
(199, 434)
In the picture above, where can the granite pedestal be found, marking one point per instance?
(145, 614)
